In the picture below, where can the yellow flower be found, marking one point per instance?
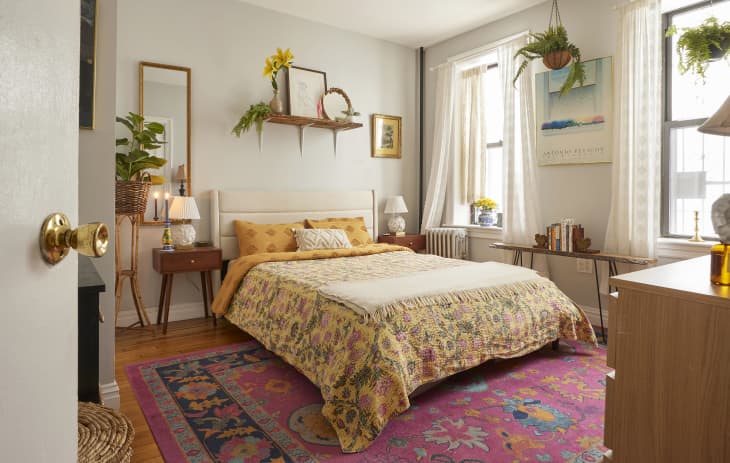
(486, 203)
(269, 68)
(284, 58)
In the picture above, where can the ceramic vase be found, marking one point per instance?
(276, 105)
(487, 219)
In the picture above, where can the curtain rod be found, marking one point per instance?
(479, 50)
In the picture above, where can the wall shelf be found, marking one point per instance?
(304, 122)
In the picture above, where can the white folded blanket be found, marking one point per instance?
(379, 297)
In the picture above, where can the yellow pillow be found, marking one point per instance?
(255, 238)
(355, 227)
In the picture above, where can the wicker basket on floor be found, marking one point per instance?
(105, 435)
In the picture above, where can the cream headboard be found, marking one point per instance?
(227, 206)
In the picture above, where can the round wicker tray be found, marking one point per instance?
(105, 435)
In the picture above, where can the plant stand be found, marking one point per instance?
(131, 273)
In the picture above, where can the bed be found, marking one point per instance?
(367, 367)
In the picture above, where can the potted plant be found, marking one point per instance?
(556, 52)
(487, 216)
(255, 115)
(133, 179)
(350, 114)
(698, 46)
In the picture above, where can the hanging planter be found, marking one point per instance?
(701, 45)
(556, 52)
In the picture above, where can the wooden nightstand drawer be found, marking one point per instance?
(415, 242)
(194, 260)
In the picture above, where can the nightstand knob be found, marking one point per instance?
(410, 243)
(192, 261)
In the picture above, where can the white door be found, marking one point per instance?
(39, 67)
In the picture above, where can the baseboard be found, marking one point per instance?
(109, 395)
(183, 311)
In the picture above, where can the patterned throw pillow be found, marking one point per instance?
(255, 238)
(355, 228)
(311, 239)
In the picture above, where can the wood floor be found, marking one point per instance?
(137, 345)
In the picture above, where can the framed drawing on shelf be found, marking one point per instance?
(386, 131)
(87, 64)
(306, 88)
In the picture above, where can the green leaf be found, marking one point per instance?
(122, 141)
(155, 127)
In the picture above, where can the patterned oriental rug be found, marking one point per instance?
(240, 403)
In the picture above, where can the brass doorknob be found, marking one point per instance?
(91, 239)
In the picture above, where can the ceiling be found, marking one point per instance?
(413, 23)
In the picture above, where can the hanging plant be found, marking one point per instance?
(555, 50)
(255, 116)
(699, 46)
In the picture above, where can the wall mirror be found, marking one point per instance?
(164, 97)
(334, 102)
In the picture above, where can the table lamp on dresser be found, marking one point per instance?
(396, 205)
(719, 124)
(183, 208)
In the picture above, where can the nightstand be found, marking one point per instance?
(203, 260)
(415, 242)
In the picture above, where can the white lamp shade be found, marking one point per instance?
(184, 207)
(395, 205)
(718, 123)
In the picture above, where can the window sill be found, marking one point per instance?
(477, 231)
(680, 248)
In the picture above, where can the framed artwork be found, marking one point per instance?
(386, 136)
(87, 71)
(575, 128)
(306, 88)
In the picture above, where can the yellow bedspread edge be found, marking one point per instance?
(240, 267)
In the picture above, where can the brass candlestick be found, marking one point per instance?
(697, 238)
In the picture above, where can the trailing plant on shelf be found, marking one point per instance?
(255, 115)
(135, 163)
(698, 46)
(556, 51)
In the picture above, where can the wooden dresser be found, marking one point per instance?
(668, 398)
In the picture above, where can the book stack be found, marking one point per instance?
(562, 236)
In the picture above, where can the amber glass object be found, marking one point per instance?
(719, 272)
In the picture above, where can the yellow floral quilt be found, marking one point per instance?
(366, 369)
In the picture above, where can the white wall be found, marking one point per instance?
(96, 190)
(581, 191)
(225, 43)
(39, 82)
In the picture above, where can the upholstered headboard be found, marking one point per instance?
(227, 206)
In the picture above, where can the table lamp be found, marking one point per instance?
(719, 124)
(183, 208)
(396, 205)
(181, 177)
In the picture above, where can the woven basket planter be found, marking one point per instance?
(131, 197)
(556, 59)
(105, 435)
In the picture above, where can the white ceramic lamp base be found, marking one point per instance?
(396, 224)
(183, 235)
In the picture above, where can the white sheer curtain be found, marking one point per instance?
(633, 224)
(522, 218)
(441, 155)
(473, 129)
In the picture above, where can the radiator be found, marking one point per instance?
(447, 242)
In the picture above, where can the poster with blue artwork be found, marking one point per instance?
(576, 128)
(87, 65)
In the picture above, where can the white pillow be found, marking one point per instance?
(309, 239)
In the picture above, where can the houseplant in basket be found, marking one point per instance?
(699, 46)
(133, 178)
(555, 50)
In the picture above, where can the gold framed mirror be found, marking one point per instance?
(164, 97)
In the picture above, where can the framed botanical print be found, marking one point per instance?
(386, 136)
(306, 88)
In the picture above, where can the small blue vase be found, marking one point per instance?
(487, 219)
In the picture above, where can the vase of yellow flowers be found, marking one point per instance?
(272, 66)
(487, 214)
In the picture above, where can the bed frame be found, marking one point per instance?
(227, 206)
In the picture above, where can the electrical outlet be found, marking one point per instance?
(584, 265)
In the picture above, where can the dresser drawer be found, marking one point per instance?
(415, 242)
(187, 261)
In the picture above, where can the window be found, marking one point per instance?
(485, 173)
(696, 167)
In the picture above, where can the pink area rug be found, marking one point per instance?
(240, 403)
